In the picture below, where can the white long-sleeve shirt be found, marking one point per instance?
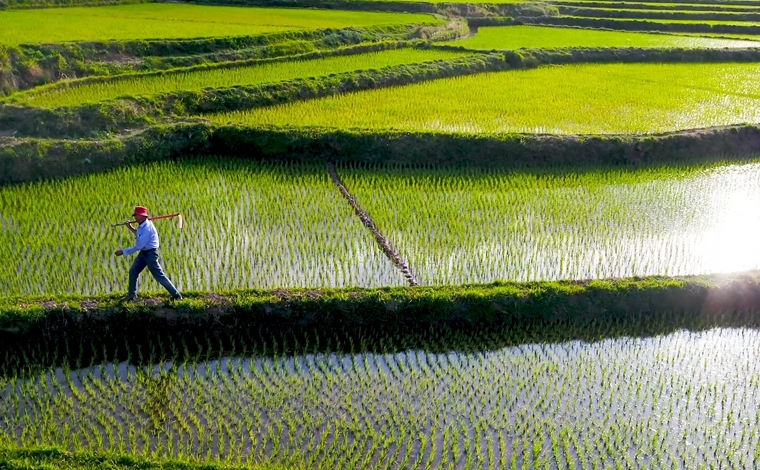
(147, 238)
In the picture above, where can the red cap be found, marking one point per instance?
(140, 210)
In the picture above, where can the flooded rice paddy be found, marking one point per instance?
(683, 400)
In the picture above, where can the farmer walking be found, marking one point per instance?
(146, 247)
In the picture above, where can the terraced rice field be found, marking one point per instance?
(681, 400)
(535, 37)
(256, 226)
(167, 20)
(595, 99)
(222, 77)
(479, 226)
(244, 226)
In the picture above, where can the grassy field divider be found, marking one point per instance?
(113, 116)
(444, 8)
(704, 300)
(46, 458)
(367, 221)
(711, 7)
(642, 25)
(659, 15)
(30, 159)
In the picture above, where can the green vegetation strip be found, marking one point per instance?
(574, 99)
(667, 15)
(24, 160)
(696, 26)
(166, 20)
(47, 458)
(93, 92)
(660, 6)
(386, 308)
(514, 37)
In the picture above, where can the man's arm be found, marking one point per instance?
(139, 245)
(128, 224)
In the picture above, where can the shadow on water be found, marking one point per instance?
(22, 356)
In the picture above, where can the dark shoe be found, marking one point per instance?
(177, 297)
(128, 298)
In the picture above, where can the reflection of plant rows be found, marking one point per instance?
(571, 404)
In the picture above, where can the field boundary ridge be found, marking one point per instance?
(706, 300)
(44, 458)
(26, 160)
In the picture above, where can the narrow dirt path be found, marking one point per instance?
(367, 221)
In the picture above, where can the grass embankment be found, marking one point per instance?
(165, 20)
(535, 37)
(707, 17)
(574, 99)
(675, 26)
(23, 160)
(229, 75)
(721, 6)
(47, 458)
(706, 301)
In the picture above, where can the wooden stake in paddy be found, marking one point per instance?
(146, 247)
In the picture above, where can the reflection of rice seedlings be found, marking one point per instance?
(662, 400)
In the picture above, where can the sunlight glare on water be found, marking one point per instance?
(730, 242)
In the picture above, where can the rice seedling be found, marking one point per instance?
(459, 226)
(167, 20)
(514, 37)
(616, 403)
(582, 99)
(151, 84)
(245, 225)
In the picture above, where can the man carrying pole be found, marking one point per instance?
(146, 247)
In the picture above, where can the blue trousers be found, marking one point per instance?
(149, 259)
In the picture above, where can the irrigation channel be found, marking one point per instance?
(541, 405)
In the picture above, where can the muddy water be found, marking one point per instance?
(650, 403)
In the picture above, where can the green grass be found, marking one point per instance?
(623, 98)
(656, 5)
(435, 400)
(164, 20)
(244, 225)
(48, 458)
(710, 22)
(514, 37)
(482, 225)
(748, 37)
(152, 84)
